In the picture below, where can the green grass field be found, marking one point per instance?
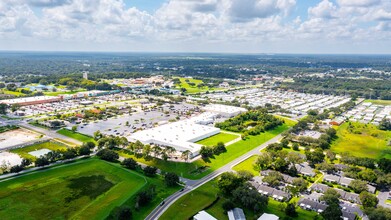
(86, 189)
(247, 165)
(194, 89)
(61, 93)
(193, 202)
(24, 152)
(362, 141)
(189, 170)
(379, 102)
(221, 137)
(76, 135)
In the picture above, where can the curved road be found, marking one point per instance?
(193, 184)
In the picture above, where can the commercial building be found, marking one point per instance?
(180, 135)
(35, 100)
(224, 110)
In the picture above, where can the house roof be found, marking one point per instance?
(236, 214)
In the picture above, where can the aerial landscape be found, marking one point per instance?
(204, 110)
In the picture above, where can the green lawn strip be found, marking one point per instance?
(288, 121)
(50, 145)
(247, 165)
(234, 151)
(50, 194)
(379, 102)
(76, 135)
(221, 137)
(193, 202)
(372, 142)
(162, 192)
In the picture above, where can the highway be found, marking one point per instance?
(193, 184)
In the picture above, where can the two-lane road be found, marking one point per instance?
(158, 211)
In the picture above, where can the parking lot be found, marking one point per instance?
(137, 121)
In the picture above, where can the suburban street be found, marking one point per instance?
(193, 184)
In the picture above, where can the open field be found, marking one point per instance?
(24, 152)
(362, 141)
(221, 137)
(192, 202)
(195, 88)
(17, 137)
(86, 189)
(76, 135)
(247, 165)
(379, 102)
(191, 170)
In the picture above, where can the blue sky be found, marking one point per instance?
(239, 26)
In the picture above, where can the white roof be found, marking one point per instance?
(181, 135)
(267, 216)
(224, 109)
(28, 99)
(202, 215)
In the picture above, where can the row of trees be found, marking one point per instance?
(208, 152)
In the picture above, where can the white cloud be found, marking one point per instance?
(325, 9)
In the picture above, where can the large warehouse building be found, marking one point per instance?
(180, 135)
(35, 100)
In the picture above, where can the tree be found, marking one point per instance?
(185, 155)
(295, 146)
(15, 107)
(368, 200)
(89, 144)
(300, 184)
(2, 85)
(332, 212)
(219, 148)
(249, 198)
(150, 170)
(284, 143)
(206, 152)
(379, 213)
(108, 155)
(385, 165)
(16, 169)
(273, 179)
(41, 161)
(97, 135)
(3, 108)
(385, 124)
(130, 163)
(144, 197)
(264, 161)
(315, 156)
(368, 175)
(358, 186)
(290, 210)
(124, 213)
(228, 205)
(11, 87)
(331, 196)
(273, 147)
(74, 128)
(69, 153)
(84, 150)
(228, 182)
(171, 179)
(25, 162)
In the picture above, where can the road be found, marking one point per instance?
(193, 184)
(49, 133)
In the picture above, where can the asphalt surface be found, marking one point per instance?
(193, 184)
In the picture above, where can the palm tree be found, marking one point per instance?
(156, 151)
(185, 155)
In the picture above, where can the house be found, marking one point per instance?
(345, 181)
(337, 121)
(348, 216)
(371, 189)
(331, 178)
(202, 215)
(319, 187)
(236, 214)
(305, 169)
(267, 216)
(274, 193)
(312, 205)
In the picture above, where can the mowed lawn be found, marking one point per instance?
(195, 88)
(50, 145)
(193, 202)
(189, 170)
(76, 135)
(221, 137)
(248, 165)
(362, 141)
(379, 102)
(86, 189)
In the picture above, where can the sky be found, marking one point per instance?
(216, 26)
